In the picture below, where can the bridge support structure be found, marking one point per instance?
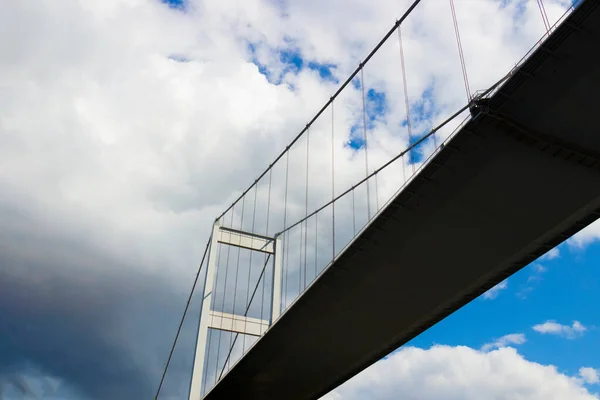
(241, 324)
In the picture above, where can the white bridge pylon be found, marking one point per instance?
(210, 319)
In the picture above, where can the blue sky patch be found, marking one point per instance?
(421, 114)
(565, 290)
(180, 4)
(262, 68)
(376, 106)
(424, 109)
(324, 70)
(292, 58)
(292, 62)
(356, 140)
(416, 154)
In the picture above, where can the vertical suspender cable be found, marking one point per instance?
(214, 301)
(362, 84)
(353, 214)
(316, 242)
(362, 78)
(406, 102)
(376, 193)
(460, 51)
(210, 331)
(285, 269)
(237, 269)
(332, 185)
(287, 167)
(250, 265)
(403, 170)
(544, 15)
(224, 295)
(306, 203)
(262, 303)
(302, 226)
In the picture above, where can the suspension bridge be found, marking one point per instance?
(304, 284)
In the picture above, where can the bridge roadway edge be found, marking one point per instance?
(329, 335)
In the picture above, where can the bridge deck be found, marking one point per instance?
(509, 186)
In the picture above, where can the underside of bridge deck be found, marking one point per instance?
(512, 184)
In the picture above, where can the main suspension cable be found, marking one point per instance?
(316, 242)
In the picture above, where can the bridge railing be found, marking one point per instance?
(368, 141)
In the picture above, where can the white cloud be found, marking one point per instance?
(589, 375)
(551, 255)
(532, 280)
(536, 276)
(539, 269)
(495, 291)
(513, 338)
(586, 236)
(554, 328)
(453, 373)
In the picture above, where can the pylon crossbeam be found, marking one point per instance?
(237, 323)
(246, 240)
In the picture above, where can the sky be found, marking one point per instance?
(127, 126)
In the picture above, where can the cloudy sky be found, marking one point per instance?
(127, 126)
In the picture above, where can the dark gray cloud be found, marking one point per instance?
(86, 318)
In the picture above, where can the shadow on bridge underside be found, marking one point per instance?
(519, 178)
